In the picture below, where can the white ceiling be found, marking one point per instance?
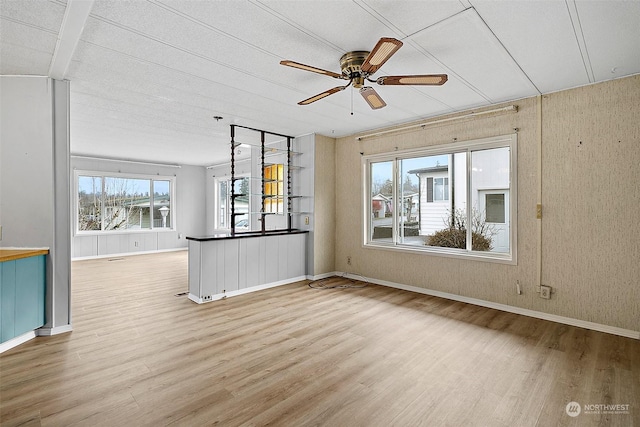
(148, 76)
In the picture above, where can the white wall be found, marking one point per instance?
(189, 204)
(34, 179)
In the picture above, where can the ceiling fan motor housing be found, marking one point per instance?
(351, 63)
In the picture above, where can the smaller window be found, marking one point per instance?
(440, 189)
(495, 208)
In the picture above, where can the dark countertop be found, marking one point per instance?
(245, 235)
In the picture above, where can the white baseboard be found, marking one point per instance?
(508, 308)
(48, 332)
(322, 276)
(14, 342)
(209, 298)
(82, 258)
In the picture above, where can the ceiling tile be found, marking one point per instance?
(412, 16)
(25, 47)
(540, 37)
(614, 50)
(464, 43)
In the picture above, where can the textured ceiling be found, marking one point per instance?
(148, 76)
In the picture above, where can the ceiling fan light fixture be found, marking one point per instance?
(372, 98)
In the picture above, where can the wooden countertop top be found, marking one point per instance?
(13, 254)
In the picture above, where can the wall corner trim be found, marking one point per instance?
(47, 332)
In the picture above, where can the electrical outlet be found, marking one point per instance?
(348, 260)
(545, 292)
(306, 220)
(518, 290)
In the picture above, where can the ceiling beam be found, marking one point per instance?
(75, 18)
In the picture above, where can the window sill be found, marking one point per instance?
(499, 258)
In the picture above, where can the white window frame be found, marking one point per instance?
(395, 157)
(103, 175)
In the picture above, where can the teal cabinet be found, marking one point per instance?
(22, 296)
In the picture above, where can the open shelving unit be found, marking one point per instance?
(272, 187)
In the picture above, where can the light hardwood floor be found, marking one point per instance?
(295, 356)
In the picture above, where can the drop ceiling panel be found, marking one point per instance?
(44, 15)
(464, 44)
(128, 74)
(412, 16)
(614, 50)
(346, 25)
(265, 31)
(25, 48)
(541, 38)
(234, 70)
(19, 60)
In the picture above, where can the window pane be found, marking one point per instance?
(381, 194)
(223, 205)
(89, 204)
(241, 205)
(274, 188)
(490, 180)
(422, 178)
(495, 208)
(162, 204)
(442, 209)
(126, 204)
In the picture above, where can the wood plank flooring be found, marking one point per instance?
(296, 356)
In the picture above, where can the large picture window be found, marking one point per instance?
(116, 202)
(453, 200)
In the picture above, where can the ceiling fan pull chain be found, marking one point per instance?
(352, 100)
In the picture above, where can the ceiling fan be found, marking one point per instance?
(358, 66)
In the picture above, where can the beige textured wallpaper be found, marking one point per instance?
(325, 205)
(591, 202)
(591, 194)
